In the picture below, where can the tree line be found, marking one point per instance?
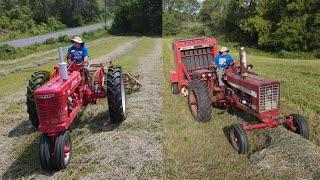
(138, 16)
(36, 16)
(292, 25)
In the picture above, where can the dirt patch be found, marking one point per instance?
(288, 155)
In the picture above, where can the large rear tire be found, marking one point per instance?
(37, 80)
(116, 94)
(199, 101)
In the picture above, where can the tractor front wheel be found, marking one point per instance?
(301, 125)
(174, 88)
(238, 139)
(36, 81)
(199, 101)
(63, 150)
(116, 94)
(45, 155)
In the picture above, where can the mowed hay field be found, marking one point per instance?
(201, 150)
(91, 130)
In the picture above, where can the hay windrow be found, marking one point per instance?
(288, 154)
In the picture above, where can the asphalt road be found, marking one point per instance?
(41, 38)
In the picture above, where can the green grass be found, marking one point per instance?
(201, 150)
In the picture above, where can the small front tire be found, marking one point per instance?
(238, 139)
(45, 155)
(63, 150)
(174, 88)
(302, 126)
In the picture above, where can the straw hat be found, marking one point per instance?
(77, 40)
(224, 49)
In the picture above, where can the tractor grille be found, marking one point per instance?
(197, 58)
(269, 97)
(50, 110)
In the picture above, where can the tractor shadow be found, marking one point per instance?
(27, 164)
(24, 128)
(96, 123)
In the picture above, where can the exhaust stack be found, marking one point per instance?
(63, 69)
(243, 62)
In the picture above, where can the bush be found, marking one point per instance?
(7, 50)
(63, 38)
(54, 24)
(50, 41)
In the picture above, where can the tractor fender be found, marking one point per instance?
(174, 77)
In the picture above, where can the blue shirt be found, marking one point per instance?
(223, 61)
(79, 53)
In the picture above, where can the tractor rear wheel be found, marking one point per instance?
(301, 124)
(44, 152)
(63, 150)
(238, 139)
(36, 81)
(116, 94)
(174, 88)
(199, 101)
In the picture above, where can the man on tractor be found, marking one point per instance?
(222, 61)
(79, 54)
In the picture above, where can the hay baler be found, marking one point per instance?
(54, 101)
(195, 76)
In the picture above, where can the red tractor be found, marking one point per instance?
(195, 76)
(54, 101)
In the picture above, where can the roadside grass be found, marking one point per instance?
(88, 122)
(8, 52)
(201, 150)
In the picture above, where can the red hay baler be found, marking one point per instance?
(54, 101)
(195, 76)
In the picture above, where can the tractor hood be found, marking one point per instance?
(58, 87)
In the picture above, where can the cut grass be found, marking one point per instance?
(201, 150)
(87, 122)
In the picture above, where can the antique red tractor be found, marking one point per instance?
(195, 76)
(54, 101)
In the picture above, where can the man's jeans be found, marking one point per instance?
(220, 74)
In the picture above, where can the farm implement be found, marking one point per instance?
(195, 76)
(54, 101)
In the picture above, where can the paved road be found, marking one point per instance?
(41, 38)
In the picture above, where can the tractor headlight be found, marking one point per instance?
(209, 75)
(203, 75)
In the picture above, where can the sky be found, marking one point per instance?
(200, 1)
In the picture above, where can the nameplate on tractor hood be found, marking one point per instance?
(47, 96)
(248, 91)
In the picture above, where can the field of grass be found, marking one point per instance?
(25, 149)
(201, 150)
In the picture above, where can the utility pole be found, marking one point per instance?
(105, 14)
